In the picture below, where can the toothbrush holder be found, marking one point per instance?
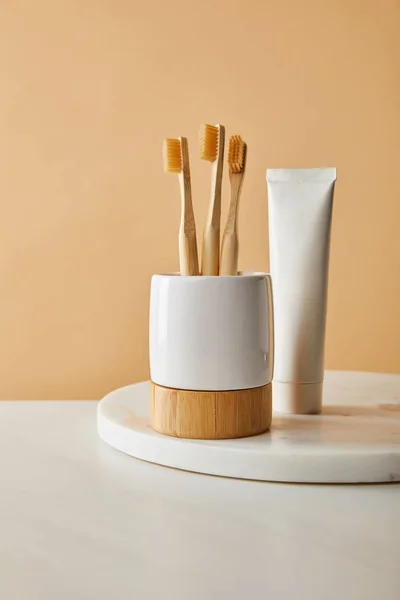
(211, 355)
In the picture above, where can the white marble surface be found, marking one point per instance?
(82, 521)
(356, 439)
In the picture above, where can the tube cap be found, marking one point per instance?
(297, 398)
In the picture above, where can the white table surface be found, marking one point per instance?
(81, 521)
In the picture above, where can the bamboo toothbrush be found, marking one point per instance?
(176, 160)
(230, 242)
(212, 143)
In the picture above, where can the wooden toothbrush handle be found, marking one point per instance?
(188, 259)
(210, 254)
(230, 239)
(229, 254)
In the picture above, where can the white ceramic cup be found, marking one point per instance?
(211, 333)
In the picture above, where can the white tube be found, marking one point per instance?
(300, 213)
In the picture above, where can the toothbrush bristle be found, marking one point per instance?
(208, 142)
(236, 154)
(172, 155)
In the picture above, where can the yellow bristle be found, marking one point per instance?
(208, 142)
(172, 155)
(236, 154)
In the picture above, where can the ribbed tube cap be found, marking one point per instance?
(297, 398)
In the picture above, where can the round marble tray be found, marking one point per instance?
(356, 438)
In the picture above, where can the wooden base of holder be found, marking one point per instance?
(210, 415)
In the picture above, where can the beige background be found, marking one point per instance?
(88, 91)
